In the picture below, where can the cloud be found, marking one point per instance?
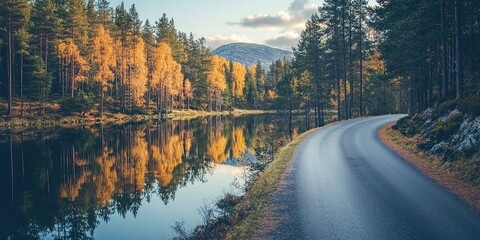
(284, 41)
(297, 13)
(218, 40)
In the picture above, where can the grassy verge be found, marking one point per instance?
(253, 206)
(453, 175)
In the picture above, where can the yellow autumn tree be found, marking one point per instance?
(167, 76)
(103, 58)
(217, 80)
(138, 72)
(73, 67)
(238, 79)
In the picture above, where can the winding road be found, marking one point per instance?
(346, 184)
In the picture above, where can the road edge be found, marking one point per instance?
(431, 166)
(255, 205)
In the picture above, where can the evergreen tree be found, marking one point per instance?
(14, 15)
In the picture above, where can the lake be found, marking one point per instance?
(131, 181)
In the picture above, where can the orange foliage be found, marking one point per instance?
(103, 56)
(139, 72)
(238, 79)
(216, 75)
(166, 72)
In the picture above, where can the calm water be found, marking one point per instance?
(126, 182)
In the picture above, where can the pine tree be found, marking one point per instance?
(46, 31)
(260, 81)
(309, 56)
(76, 23)
(122, 25)
(149, 38)
(14, 13)
(104, 13)
(38, 82)
(188, 92)
(23, 38)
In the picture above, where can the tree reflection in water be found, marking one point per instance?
(63, 183)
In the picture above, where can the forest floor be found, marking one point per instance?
(36, 116)
(447, 174)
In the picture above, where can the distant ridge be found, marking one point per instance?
(250, 53)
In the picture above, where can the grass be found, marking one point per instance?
(461, 177)
(253, 206)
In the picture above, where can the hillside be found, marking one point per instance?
(249, 53)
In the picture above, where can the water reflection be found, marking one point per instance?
(65, 183)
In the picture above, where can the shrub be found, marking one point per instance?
(445, 129)
(470, 104)
(445, 107)
(408, 126)
(78, 104)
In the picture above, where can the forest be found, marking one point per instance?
(353, 59)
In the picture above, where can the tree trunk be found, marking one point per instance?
(350, 106)
(458, 48)
(73, 78)
(290, 118)
(317, 96)
(9, 71)
(21, 84)
(344, 56)
(101, 100)
(337, 74)
(148, 98)
(46, 53)
(158, 106)
(360, 47)
(410, 97)
(444, 85)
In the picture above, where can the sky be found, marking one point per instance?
(276, 23)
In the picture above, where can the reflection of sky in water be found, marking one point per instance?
(156, 218)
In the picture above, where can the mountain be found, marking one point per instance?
(249, 53)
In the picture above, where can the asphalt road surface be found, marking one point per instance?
(345, 184)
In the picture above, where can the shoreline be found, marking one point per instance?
(255, 204)
(27, 123)
(431, 166)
